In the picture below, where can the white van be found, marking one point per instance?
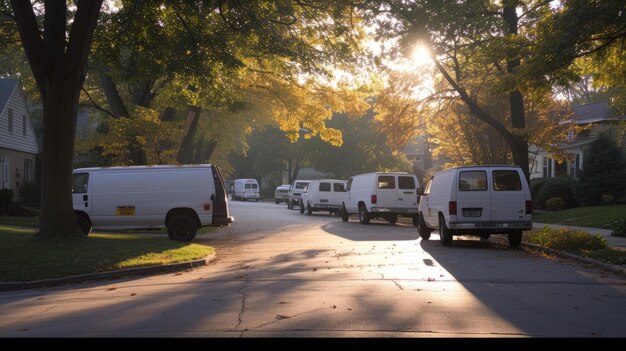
(323, 195)
(244, 189)
(476, 200)
(180, 198)
(381, 195)
(295, 191)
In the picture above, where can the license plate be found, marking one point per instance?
(472, 212)
(125, 211)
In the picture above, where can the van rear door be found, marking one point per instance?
(407, 196)
(220, 203)
(508, 197)
(80, 192)
(387, 195)
(473, 200)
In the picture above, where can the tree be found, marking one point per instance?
(604, 170)
(58, 61)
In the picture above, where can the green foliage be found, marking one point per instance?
(590, 216)
(565, 239)
(535, 188)
(31, 193)
(608, 255)
(604, 170)
(562, 187)
(555, 204)
(618, 227)
(607, 199)
(6, 194)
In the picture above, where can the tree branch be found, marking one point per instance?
(32, 42)
(94, 104)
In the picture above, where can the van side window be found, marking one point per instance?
(473, 181)
(324, 186)
(406, 182)
(338, 187)
(506, 180)
(386, 182)
(349, 184)
(80, 182)
(248, 186)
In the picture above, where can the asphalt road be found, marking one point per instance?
(280, 273)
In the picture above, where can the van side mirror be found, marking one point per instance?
(420, 191)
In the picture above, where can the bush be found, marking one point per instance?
(618, 227)
(565, 239)
(555, 204)
(604, 170)
(31, 194)
(535, 187)
(562, 187)
(606, 199)
(6, 194)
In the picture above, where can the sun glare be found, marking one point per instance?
(421, 56)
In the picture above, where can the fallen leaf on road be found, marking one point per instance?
(113, 288)
(334, 306)
(349, 309)
(133, 294)
(314, 269)
(25, 329)
(431, 279)
(280, 316)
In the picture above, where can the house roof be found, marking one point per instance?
(593, 112)
(7, 86)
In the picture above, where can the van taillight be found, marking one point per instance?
(529, 207)
(452, 207)
(374, 198)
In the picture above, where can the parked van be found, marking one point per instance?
(476, 200)
(179, 198)
(281, 194)
(244, 189)
(323, 195)
(381, 195)
(295, 191)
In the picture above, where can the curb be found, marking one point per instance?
(126, 272)
(609, 267)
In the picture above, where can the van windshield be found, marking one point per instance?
(251, 186)
(301, 185)
(80, 182)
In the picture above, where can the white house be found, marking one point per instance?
(598, 115)
(18, 144)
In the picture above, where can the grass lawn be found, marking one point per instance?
(24, 258)
(593, 216)
(20, 221)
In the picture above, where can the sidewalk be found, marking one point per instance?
(614, 242)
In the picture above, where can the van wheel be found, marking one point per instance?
(182, 228)
(485, 235)
(515, 238)
(301, 209)
(364, 216)
(422, 229)
(393, 219)
(309, 210)
(83, 223)
(444, 232)
(415, 218)
(344, 214)
(276, 202)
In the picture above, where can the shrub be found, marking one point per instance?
(31, 194)
(6, 194)
(555, 204)
(618, 227)
(536, 185)
(604, 170)
(565, 239)
(606, 199)
(562, 187)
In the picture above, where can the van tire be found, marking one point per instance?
(393, 219)
(444, 233)
(415, 218)
(83, 223)
(515, 238)
(364, 216)
(345, 216)
(182, 228)
(276, 202)
(422, 229)
(309, 210)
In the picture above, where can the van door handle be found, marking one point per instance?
(85, 198)
(212, 196)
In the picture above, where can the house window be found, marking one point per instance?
(10, 120)
(574, 167)
(28, 170)
(24, 125)
(547, 167)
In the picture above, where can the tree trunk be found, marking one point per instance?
(59, 71)
(60, 109)
(185, 151)
(113, 96)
